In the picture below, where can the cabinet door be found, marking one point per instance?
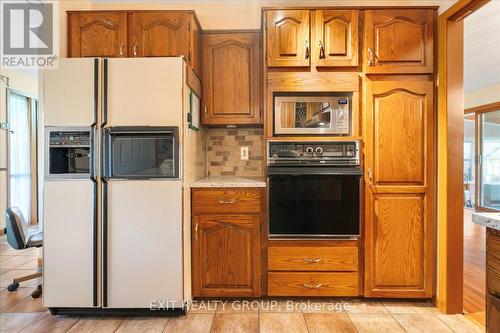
(194, 55)
(159, 34)
(226, 255)
(231, 78)
(335, 38)
(287, 33)
(399, 41)
(399, 164)
(97, 34)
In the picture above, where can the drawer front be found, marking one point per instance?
(312, 284)
(227, 201)
(312, 259)
(493, 262)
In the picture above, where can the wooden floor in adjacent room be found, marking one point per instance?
(21, 313)
(474, 268)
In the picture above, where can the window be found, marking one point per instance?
(22, 154)
(489, 159)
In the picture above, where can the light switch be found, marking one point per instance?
(244, 153)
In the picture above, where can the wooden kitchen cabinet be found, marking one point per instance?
(287, 38)
(399, 191)
(160, 33)
(232, 78)
(321, 38)
(226, 242)
(335, 38)
(97, 34)
(399, 41)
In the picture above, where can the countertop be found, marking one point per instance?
(229, 181)
(489, 220)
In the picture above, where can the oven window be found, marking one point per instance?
(143, 155)
(313, 205)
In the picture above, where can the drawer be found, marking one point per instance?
(312, 284)
(312, 258)
(227, 201)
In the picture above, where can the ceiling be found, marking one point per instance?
(482, 48)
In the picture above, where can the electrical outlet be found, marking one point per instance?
(244, 153)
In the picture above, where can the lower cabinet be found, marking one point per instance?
(312, 271)
(225, 248)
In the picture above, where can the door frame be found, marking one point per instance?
(449, 296)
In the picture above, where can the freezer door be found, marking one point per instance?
(70, 244)
(142, 240)
(143, 91)
(70, 93)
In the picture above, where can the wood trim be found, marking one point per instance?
(484, 108)
(449, 297)
(349, 7)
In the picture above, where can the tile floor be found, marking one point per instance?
(21, 313)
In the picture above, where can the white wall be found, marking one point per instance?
(24, 82)
(482, 96)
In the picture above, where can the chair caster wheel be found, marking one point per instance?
(37, 293)
(13, 286)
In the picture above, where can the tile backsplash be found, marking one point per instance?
(224, 150)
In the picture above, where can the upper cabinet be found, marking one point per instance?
(303, 38)
(399, 41)
(335, 38)
(159, 34)
(97, 34)
(231, 84)
(287, 34)
(135, 34)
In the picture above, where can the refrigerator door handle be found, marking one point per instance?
(96, 90)
(104, 241)
(95, 247)
(105, 93)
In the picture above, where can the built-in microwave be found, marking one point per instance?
(310, 113)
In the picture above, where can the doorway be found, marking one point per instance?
(22, 155)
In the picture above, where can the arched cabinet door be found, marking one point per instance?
(335, 38)
(97, 34)
(159, 34)
(399, 186)
(399, 41)
(287, 38)
(231, 78)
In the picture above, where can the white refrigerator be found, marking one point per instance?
(113, 234)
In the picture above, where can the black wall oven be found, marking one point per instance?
(314, 194)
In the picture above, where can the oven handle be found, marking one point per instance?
(304, 171)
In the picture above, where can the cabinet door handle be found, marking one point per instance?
(196, 231)
(312, 286)
(121, 48)
(307, 50)
(230, 202)
(313, 260)
(206, 110)
(135, 49)
(321, 50)
(370, 57)
(370, 177)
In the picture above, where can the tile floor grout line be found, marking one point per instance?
(397, 321)
(305, 322)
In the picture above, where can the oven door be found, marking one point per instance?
(314, 202)
(141, 152)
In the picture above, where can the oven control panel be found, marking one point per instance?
(305, 152)
(70, 138)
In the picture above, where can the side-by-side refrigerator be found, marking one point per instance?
(112, 205)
